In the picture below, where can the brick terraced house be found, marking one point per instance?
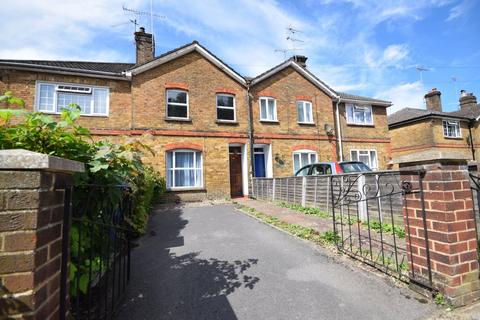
(421, 131)
(210, 127)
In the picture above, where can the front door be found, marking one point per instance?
(259, 159)
(236, 185)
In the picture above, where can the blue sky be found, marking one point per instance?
(366, 47)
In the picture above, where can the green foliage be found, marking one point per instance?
(387, 228)
(106, 163)
(294, 229)
(305, 210)
(439, 299)
(331, 236)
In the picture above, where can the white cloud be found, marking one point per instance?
(404, 95)
(395, 52)
(459, 10)
(68, 29)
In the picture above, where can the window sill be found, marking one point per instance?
(371, 125)
(178, 119)
(306, 123)
(177, 189)
(81, 115)
(270, 121)
(227, 122)
(453, 138)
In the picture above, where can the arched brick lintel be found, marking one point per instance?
(183, 145)
(304, 147)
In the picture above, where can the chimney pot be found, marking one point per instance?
(145, 46)
(301, 60)
(433, 100)
(467, 100)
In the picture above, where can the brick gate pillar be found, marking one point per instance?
(32, 189)
(450, 221)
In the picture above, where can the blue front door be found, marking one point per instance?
(259, 165)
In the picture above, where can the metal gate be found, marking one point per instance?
(98, 240)
(371, 224)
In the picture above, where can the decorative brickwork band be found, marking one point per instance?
(451, 232)
(183, 145)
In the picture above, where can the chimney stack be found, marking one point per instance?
(467, 100)
(433, 100)
(145, 46)
(301, 60)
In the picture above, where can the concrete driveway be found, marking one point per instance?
(213, 262)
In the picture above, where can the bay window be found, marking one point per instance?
(268, 109)
(302, 158)
(304, 112)
(184, 169)
(53, 97)
(361, 115)
(369, 157)
(177, 104)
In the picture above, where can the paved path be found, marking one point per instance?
(213, 262)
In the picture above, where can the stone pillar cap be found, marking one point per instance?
(431, 155)
(18, 159)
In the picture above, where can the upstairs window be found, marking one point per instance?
(177, 104)
(451, 129)
(268, 109)
(361, 115)
(226, 107)
(369, 157)
(304, 112)
(303, 157)
(53, 97)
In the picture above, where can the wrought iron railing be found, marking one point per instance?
(99, 246)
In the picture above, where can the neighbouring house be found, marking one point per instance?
(210, 127)
(417, 132)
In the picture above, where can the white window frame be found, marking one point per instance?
(354, 107)
(458, 131)
(200, 186)
(226, 107)
(304, 110)
(275, 119)
(187, 104)
(299, 153)
(368, 151)
(64, 84)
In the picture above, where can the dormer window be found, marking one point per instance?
(53, 97)
(359, 115)
(177, 104)
(451, 129)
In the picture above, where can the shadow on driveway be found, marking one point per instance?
(170, 285)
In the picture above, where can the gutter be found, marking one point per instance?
(64, 71)
(472, 148)
(250, 130)
(339, 130)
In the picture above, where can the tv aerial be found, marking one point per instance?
(421, 70)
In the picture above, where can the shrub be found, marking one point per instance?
(106, 163)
